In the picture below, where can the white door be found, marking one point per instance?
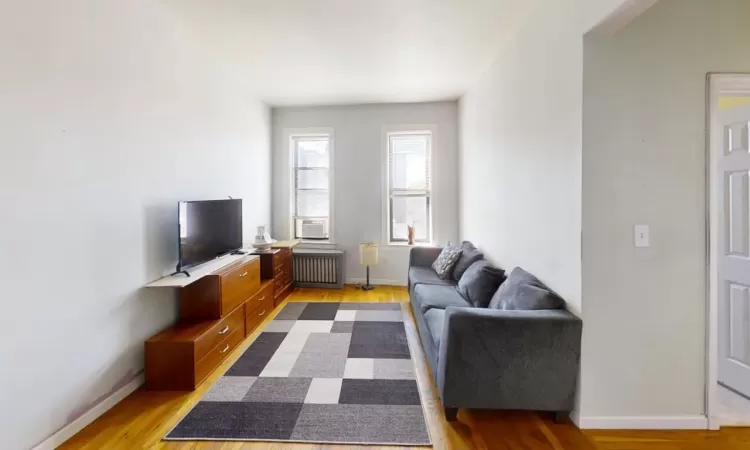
(734, 255)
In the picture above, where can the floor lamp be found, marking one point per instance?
(368, 256)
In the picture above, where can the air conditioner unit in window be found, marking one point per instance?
(314, 229)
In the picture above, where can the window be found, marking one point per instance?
(311, 155)
(409, 186)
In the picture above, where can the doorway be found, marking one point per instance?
(728, 157)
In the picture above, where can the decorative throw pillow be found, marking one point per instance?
(479, 282)
(444, 263)
(524, 291)
(469, 255)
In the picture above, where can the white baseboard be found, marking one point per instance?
(641, 422)
(381, 281)
(69, 430)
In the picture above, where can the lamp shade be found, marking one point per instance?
(368, 254)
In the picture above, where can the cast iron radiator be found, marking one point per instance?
(318, 268)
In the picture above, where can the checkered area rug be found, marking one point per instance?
(319, 372)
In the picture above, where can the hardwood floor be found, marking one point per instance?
(143, 418)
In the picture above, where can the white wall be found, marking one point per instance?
(644, 163)
(358, 166)
(109, 115)
(520, 160)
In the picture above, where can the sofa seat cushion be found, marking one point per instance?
(425, 275)
(434, 319)
(430, 296)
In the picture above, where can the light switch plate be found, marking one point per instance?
(641, 236)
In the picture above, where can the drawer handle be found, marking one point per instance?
(225, 349)
(224, 330)
(264, 311)
(262, 298)
(243, 274)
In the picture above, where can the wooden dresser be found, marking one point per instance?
(217, 312)
(276, 265)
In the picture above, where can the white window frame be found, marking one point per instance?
(293, 136)
(406, 130)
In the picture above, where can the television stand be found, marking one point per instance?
(181, 278)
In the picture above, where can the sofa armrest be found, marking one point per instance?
(500, 359)
(423, 256)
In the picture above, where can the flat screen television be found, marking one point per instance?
(208, 229)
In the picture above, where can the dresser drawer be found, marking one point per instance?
(258, 315)
(217, 333)
(239, 284)
(259, 299)
(211, 361)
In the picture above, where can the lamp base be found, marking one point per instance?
(367, 286)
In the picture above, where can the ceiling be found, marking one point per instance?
(305, 52)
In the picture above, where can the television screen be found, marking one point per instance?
(208, 229)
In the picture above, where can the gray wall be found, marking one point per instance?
(359, 162)
(109, 116)
(644, 163)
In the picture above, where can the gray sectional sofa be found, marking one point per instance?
(504, 355)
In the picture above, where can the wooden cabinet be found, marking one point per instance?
(181, 357)
(217, 311)
(277, 265)
(259, 306)
(214, 295)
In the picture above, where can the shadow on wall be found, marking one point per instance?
(160, 243)
(139, 314)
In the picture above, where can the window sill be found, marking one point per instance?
(316, 244)
(404, 244)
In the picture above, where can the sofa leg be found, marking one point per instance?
(451, 414)
(562, 416)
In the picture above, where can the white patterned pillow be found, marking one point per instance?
(448, 258)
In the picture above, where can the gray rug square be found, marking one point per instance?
(323, 356)
(279, 326)
(373, 424)
(291, 311)
(370, 306)
(319, 311)
(342, 327)
(311, 378)
(393, 369)
(238, 421)
(378, 392)
(383, 340)
(378, 316)
(278, 390)
(229, 389)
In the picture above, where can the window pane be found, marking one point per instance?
(312, 153)
(312, 203)
(409, 162)
(312, 179)
(407, 211)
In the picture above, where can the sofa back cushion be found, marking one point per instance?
(469, 255)
(479, 282)
(444, 263)
(524, 291)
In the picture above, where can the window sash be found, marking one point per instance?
(428, 234)
(394, 192)
(296, 169)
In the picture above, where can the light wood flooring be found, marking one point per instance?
(140, 421)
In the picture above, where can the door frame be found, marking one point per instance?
(717, 85)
